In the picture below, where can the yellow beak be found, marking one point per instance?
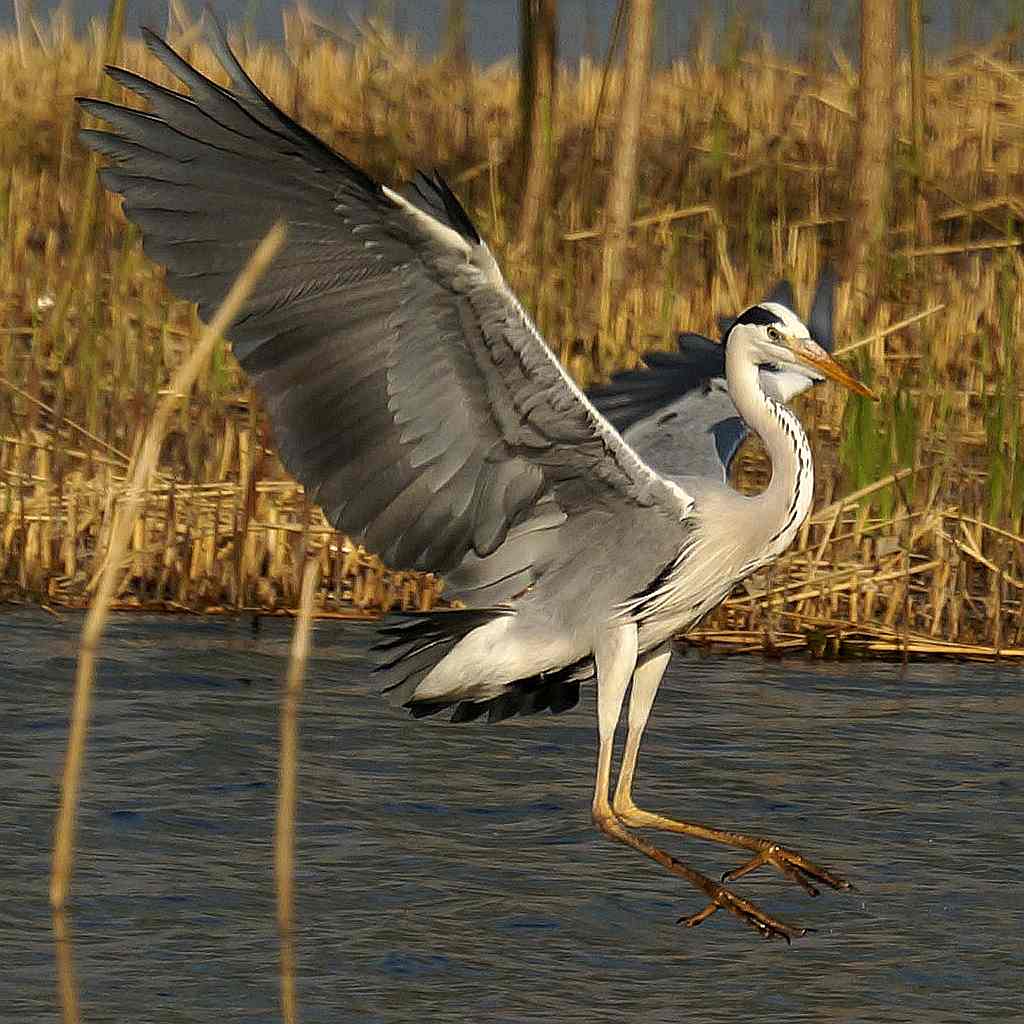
(824, 363)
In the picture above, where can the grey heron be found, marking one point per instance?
(415, 400)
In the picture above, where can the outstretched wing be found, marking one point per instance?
(406, 387)
(634, 395)
(676, 412)
(676, 409)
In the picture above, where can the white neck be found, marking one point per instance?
(786, 500)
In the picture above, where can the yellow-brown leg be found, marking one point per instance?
(616, 657)
(793, 865)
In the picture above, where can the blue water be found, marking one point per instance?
(450, 873)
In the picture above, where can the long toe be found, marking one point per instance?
(794, 866)
(764, 924)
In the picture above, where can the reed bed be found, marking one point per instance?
(918, 542)
(229, 545)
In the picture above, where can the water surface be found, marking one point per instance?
(450, 873)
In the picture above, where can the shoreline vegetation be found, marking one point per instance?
(916, 542)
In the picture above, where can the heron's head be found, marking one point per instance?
(778, 342)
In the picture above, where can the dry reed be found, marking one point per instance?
(67, 981)
(123, 523)
(287, 793)
(744, 172)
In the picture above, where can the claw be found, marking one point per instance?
(692, 920)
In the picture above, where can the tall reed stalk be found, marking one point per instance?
(124, 520)
(287, 792)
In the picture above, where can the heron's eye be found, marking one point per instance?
(773, 333)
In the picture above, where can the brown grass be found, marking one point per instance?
(744, 172)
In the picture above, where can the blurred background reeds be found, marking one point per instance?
(625, 202)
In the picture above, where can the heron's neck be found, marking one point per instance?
(785, 502)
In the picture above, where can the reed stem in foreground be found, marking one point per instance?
(67, 983)
(96, 618)
(287, 791)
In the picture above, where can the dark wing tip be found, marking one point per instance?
(703, 348)
(820, 320)
(456, 210)
(155, 42)
(431, 194)
(782, 293)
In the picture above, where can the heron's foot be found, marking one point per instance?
(718, 894)
(764, 924)
(794, 866)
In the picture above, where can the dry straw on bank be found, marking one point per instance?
(744, 173)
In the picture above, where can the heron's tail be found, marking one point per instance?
(411, 647)
(416, 643)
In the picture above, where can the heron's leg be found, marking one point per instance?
(796, 867)
(616, 657)
(646, 680)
